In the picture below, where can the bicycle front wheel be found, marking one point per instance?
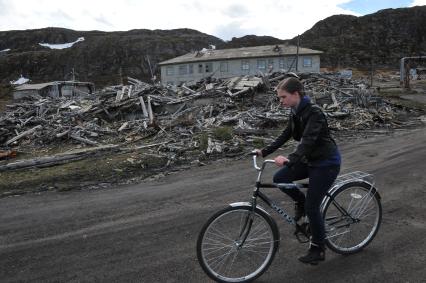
(237, 244)
(352, 217)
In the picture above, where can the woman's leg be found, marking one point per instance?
(320, 180)
(298, 171)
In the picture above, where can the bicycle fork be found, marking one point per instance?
(248, 222)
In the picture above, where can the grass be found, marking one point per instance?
(396, 96)
(5, 96)
(107, 168)
(223, 133)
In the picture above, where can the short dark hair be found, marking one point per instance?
(291, 85)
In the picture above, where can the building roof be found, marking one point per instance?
(34, 86)
(43, 85)
(241, 53)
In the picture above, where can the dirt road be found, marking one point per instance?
(147, 232)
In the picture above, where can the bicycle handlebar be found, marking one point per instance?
(254, 154)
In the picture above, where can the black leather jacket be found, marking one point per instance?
(309, 127)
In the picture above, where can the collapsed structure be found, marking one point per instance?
(211, 117)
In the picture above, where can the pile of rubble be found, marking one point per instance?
(351, 104)
(211, 116)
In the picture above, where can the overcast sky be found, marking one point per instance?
(222, 18)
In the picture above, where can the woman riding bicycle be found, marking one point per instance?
(316, 157)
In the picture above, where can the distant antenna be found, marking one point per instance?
(73, 75)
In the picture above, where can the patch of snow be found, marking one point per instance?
(22, 80)
(5, 50)
(74, 107)
(62, 45)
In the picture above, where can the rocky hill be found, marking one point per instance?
(101, 57)
(250, 40)
(381, 38)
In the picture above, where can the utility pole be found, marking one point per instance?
(150, 69)
(73, 80)
(297, 53)
(121, 76)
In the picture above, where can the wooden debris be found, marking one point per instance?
(123, 126)
(26, 133)
(145, 112)
(150, 113)
(7, 154)
(83, 140)
(174, 118)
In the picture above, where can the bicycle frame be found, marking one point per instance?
(257, 193)
(300, 228)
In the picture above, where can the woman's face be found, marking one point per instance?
(288, 99)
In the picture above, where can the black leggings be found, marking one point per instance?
(320, 180)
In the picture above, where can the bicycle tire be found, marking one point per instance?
(220, 235)
(348, 235)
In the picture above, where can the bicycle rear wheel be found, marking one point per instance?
(230, 249)
(352, 228)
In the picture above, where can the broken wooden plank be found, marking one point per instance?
(7, 154)
(47, 161)
(26, 133)
(150, 113)
(123, 126)
(188, 89)
(59, 135)
(84, 140)
(145, 112)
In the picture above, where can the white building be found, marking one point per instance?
(223, 63)
(54, 89)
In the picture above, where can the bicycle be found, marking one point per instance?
(239, 242)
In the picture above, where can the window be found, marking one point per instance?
(261, 64)
(245, 65)
(183, 69)
(291, 62)
(209, 67)
(270, 64)
(307, 61)
(170, 71)
(200, 68)
(281, 64)
(224, 67)
(191, 68)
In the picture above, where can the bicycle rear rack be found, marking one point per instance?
(353, 177)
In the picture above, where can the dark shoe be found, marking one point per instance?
(299, 210)
(315, 254)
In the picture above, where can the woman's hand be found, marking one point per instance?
(280, 160)
(258, 152)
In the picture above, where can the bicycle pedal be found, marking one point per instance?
(302, 233)
(302, 238)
